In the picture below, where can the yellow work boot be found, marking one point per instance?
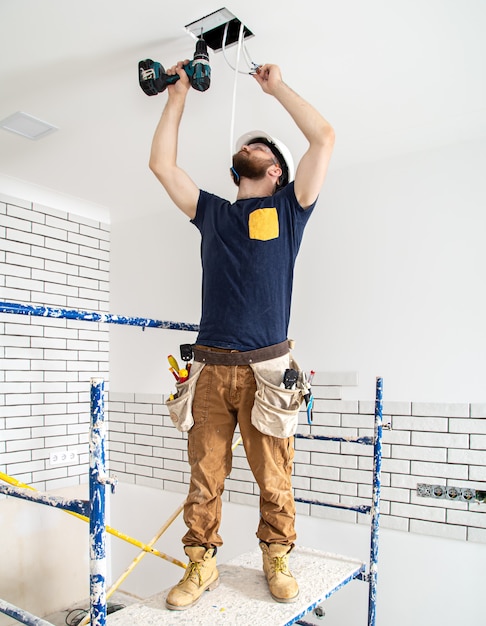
(201, 574)
(283, 586)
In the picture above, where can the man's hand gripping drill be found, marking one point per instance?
(154, 79)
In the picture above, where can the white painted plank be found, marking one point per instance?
(242, 596)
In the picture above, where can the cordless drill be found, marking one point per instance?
(154, 80)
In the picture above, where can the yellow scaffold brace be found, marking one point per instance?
(145, 547)
(141, 555)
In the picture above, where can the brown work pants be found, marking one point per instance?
(224, 398)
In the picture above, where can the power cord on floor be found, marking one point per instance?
(76, 616)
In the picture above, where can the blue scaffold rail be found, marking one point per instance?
(93, 316)
(357, 508)
(374, 509)
(81, 507)
(95, 508)
(325, 597)
(366, 441)
(21, 616)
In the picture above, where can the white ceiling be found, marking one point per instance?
(392, 77)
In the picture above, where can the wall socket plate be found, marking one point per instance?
(463, 494)
(63, 457)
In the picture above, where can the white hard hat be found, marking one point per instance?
(279, 149)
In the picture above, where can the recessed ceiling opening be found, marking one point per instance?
(218, 29)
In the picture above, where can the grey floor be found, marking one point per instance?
(73, 614)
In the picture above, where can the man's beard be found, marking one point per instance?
(249, 166)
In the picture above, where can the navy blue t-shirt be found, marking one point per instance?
(248, 252)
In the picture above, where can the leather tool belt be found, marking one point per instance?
(220, 356)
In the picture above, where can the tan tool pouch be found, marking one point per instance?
(180, 408)
(276, 409)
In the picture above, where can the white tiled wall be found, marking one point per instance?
(60, 260)
(57, 259)
(427, 443)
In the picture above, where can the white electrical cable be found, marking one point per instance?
(252, 66)
(250, 63)
(233, 108)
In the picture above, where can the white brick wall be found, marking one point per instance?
(427, 443)
(51, 258)
(56, 259)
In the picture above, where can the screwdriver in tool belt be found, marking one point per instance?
(309, 398)
(179, 374)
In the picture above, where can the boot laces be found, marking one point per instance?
(193, 572)
(280, 564)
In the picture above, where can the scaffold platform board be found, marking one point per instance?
(242, 596)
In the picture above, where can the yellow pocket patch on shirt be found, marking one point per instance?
(263, 224)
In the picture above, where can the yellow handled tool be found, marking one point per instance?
(173, 363)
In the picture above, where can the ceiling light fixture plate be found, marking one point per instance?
(27, 125)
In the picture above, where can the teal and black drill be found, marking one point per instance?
(154, 80)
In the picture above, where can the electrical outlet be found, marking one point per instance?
(468, 495)
(463, 494)
(63, 457)
(438, 491)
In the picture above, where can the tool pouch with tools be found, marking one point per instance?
(276, 409)
(180, 407)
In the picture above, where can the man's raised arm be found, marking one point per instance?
(163, 156)
(312, 168)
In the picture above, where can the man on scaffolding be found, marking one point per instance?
(243, 373)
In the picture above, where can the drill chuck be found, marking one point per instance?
(201, 51)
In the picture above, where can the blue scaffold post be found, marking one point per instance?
(375, 507)
(97, 483)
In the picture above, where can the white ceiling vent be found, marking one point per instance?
(27, 125)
